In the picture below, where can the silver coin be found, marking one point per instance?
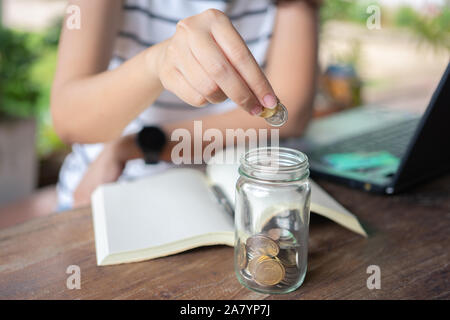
(279, 118)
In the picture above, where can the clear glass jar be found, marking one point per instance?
(272, 220)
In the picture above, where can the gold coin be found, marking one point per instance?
(241, 256)
(269, 272)
(267, 113)
(263, 245)
(254, 262)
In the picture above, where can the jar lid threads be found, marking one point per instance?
(274, 164)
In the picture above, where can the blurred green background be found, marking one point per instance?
(27, 66)
(431, 28)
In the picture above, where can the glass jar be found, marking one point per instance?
(272, 220)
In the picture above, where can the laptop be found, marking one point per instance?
(380, 150)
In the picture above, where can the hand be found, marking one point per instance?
(206, 60)
(106, 168)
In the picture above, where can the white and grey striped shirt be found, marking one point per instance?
(147, 22)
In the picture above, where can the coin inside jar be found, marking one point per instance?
(254, 263)
(288, 257)
(274, 234)
(263, 245)
(269, 272)
(277, 234)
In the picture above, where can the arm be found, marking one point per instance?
(291, 69)
(206, 60)
(88, 103)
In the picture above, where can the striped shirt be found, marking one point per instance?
(145, 23)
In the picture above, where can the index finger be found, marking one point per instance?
(213, 60)
(237, 52)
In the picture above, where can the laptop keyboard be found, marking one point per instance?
(393, 139)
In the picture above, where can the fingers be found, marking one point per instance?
(219, 69)
(243, 61)
(183, 89)
(198, 78)
(208, 61)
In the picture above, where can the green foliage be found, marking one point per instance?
(48, 141)
(18, 92)
(354, 11)
(27, 66)
(432, 30)
(43, 71)
(405, 16)
(443, 19)
(52, 34)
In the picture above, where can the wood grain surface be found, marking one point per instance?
(409, 241)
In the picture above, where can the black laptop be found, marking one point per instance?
(381, 150)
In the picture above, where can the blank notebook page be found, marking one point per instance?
(174, 205)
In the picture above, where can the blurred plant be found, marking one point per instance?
(18, 92)
(27, 66)
(53, 33)
(433, 30)
(405, 16)
(353, 11)
(43, 71)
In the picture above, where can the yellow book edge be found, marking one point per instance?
(349, 222)
(208, 239)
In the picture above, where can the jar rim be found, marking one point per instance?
(274, 164)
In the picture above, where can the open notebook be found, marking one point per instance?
(178, 210)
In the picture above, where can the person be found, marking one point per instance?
(162, 64)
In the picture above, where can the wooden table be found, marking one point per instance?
(409, 241)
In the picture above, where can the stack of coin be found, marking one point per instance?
(266, 271)
(287, 254)
(283, 237)
(269, 258)
(288, 258)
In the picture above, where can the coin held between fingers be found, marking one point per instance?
(275, 117)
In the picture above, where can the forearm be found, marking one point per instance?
(292, 62)
(96, 108)
(291, 69)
